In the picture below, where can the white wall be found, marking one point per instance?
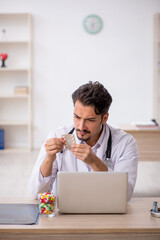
(65, 56)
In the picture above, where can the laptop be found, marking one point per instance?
(92, 192)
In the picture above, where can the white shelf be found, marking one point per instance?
(6, 69)
(14, 42)
(14, 123)
(11, 150)
(8, 15)
(15, 109)
(14, 96)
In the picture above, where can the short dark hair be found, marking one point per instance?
(93, 94)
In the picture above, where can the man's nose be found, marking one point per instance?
(82, 124)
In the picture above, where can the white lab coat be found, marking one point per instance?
(124, 158)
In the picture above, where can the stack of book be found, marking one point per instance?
(21, 90)
(1, 138)
(146, 124)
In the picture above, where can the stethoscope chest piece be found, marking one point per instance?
(108, 162)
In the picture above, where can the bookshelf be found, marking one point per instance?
(15, 81)
(156, 93)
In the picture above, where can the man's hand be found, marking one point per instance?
(84, 152)
(53, 146)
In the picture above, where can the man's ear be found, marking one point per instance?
(105, 118)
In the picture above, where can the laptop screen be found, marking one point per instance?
(92, 192)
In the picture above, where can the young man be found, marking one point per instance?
(93, 135)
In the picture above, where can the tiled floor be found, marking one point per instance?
(16, 167)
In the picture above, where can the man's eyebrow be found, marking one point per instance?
(90, 118)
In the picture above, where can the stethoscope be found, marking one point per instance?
(107, 161)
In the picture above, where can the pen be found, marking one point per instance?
(155, 122)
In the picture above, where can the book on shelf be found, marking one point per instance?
(21, 90)
(146, 124)
(1, 138)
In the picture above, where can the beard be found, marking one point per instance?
(83, 138)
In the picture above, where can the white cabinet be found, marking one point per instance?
(15, 80)
(156, 93)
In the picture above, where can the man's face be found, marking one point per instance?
(88, 124)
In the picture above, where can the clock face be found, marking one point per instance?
(93, 24)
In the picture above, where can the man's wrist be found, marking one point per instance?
(46, 167)
(98, 165)
(50, 158)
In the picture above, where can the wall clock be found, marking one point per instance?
(93, 24)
